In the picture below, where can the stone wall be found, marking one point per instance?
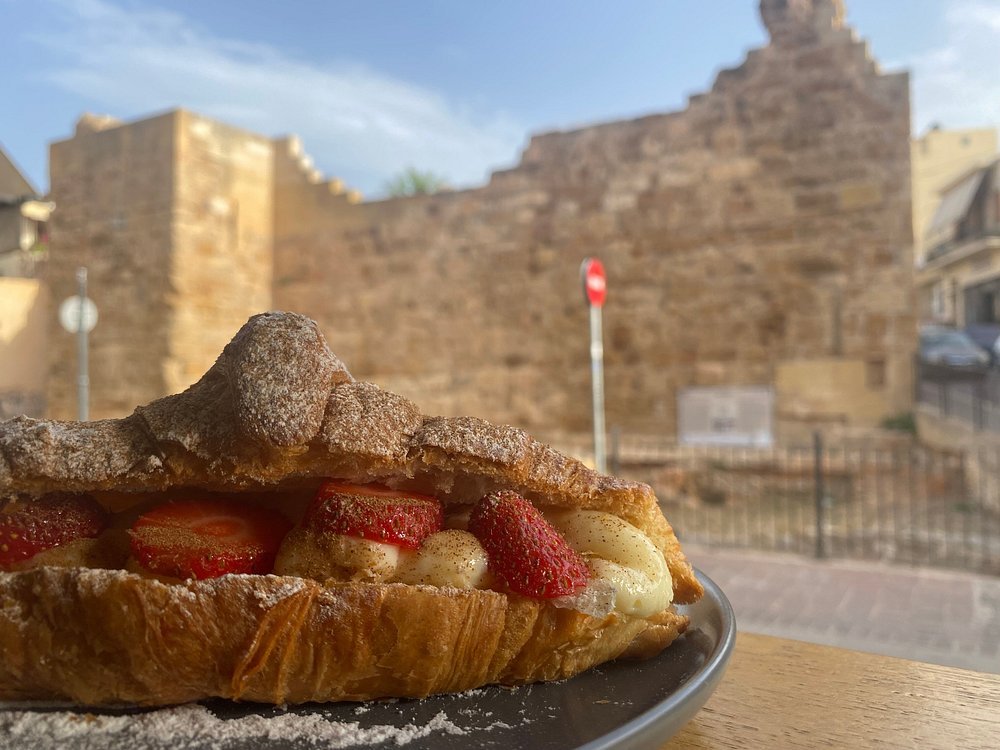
(762, 236)
(222, 223)
(767, 224)
(172, 216)
(113, 185)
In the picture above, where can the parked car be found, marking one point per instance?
(987, 336)
(951, 347)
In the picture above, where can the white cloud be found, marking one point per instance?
(957, 84)
(359, 124)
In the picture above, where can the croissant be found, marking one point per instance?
(273, 417)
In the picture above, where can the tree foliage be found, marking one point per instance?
(412, 181)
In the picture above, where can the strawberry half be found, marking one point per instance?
(374, 512)
(29, 527)
(524, 549)
(207, 538)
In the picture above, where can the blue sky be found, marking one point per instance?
(455, 87)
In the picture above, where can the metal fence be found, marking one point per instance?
(970, 395)
(898, 502)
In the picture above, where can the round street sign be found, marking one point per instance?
(595, 283)
(69, 314)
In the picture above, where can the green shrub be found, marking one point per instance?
(901, 423)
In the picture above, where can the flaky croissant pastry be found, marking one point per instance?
(92, 616)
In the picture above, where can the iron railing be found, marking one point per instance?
(896, 501)
(969, 395)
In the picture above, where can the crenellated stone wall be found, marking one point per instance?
(762, 236)
(173, 218)
(114, 190)
(751, 239)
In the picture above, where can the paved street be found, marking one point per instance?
(931, 615)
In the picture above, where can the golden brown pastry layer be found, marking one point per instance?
(107, 637)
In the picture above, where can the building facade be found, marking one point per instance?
(24, 302)
(959, 280)
(939, 157)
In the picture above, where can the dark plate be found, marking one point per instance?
(619, 705)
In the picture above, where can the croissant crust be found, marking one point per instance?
(279, 407)
(108, 637)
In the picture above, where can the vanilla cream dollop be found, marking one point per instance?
(447, 558)
(322, 556)
(618, 552)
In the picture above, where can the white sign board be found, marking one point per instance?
(69, 314)
(726, 415)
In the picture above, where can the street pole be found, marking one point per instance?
(595, 292)
(597, 381)
(82, 377)
(820, 488)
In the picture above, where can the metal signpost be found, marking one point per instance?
(595, 290)
(79, 315)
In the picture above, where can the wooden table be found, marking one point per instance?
(786, 694)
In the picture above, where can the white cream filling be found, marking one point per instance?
(320, 556)
(617, 552)
(447, 558)
(363, 554)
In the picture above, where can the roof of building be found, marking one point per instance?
(955, 200)
(13, 183)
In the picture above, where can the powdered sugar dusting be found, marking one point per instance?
(14, 611)
(285, 588)
(596, 600)
(195, 726)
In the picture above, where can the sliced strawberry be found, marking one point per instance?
(207, 538)
(525, 550)
(374, 512)
(30, 526)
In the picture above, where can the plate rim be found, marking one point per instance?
(707, 676)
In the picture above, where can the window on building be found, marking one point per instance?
(875, 372)
(938, 301)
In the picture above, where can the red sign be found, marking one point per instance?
(595, 283)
